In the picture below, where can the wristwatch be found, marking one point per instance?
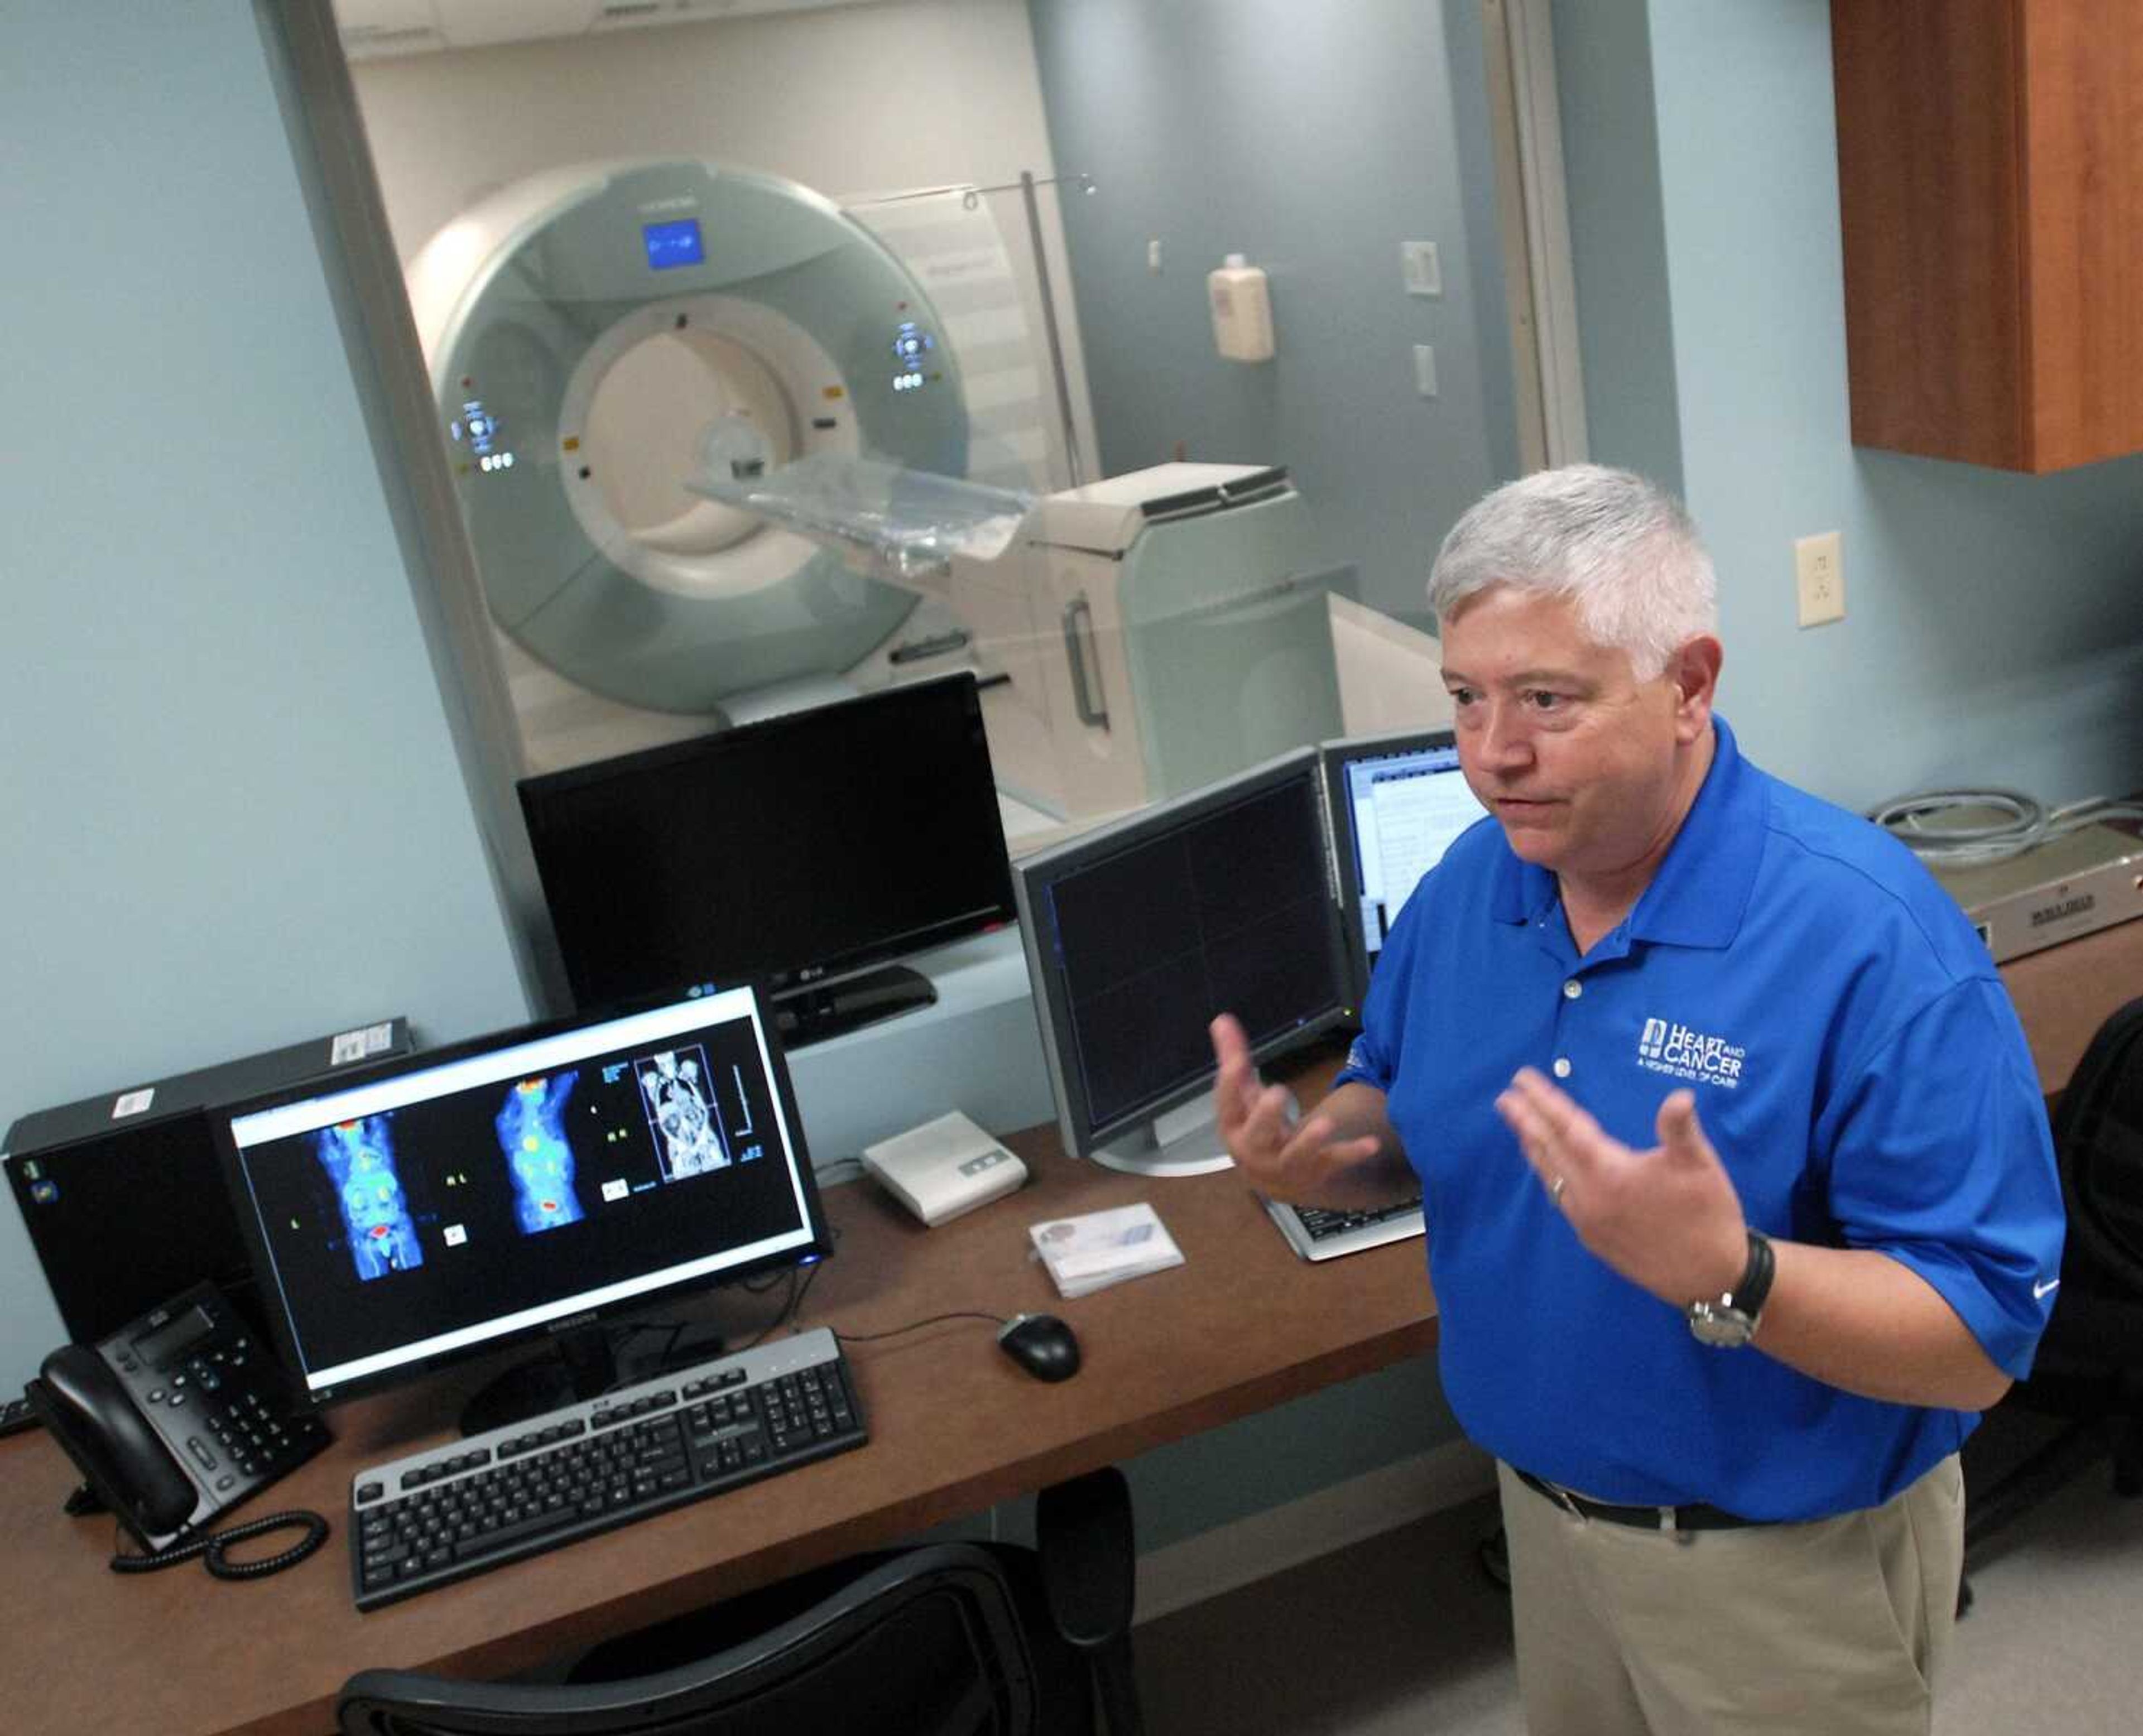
(1730, 1322)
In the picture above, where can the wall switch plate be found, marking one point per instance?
(1820, 578)
(1424, 370)
(1424, 271)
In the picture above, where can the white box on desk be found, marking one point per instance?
(944, 1168)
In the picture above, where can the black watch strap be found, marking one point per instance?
(1753, 1288)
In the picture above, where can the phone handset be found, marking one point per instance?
(172, 1420)
(127, 1466)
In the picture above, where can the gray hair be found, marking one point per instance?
(1621, 549)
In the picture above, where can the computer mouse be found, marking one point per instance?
(1042, 1344)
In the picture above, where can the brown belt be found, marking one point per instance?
(1696, 1517)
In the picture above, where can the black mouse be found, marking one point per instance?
(1042, 1344)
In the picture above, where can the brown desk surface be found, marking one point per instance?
(955, 1427)
(1241, 1327)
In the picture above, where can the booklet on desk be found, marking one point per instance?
(1099, 1248)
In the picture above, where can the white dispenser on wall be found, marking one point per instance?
(1242, 310)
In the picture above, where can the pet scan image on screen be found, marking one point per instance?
(448, 1204)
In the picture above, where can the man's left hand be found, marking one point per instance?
(1667, 1219)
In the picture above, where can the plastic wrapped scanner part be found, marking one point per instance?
(894, 523)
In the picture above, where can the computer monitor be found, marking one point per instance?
(800, 852)
(532, 1183)
(1397, 802)
(1137, 934)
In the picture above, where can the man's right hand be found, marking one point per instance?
(1344, 1153)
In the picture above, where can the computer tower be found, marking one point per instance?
(123, 1194)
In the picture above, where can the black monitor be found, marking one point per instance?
(529, 1183)
(1396, 804)
(1137, 934)
(807, 851)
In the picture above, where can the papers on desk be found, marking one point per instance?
(1099, 1248)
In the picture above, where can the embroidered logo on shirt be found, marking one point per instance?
(1681, 1052)
(2040, 1292)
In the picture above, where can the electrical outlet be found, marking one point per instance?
(1820, 578)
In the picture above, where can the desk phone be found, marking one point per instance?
(175, 1418)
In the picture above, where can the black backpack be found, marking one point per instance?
(2089, 1368)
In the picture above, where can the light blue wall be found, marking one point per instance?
(1994, 624)
(1617, 234)
(1313, 141)
(234, 818)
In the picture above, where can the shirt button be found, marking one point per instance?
(1562, 1067)
(1572, 989)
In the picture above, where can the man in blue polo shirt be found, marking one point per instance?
(1741, 1202)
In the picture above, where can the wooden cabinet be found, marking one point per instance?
(1991, 180)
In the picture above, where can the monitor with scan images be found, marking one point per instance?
(1397, 802)
(525, 1185)
(808, 851)
(1138, 933)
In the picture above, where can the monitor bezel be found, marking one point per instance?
(831, 968)
(1081, 1136)
(818, 1246)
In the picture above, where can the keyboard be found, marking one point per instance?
(442, 1514)
(1318, 1234)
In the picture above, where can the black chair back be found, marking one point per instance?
(927, 1643)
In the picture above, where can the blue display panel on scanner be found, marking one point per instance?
(677, 242)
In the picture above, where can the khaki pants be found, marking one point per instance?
(1833, 1628)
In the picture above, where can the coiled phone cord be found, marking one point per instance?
(210, 1545)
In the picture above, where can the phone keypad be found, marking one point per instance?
(253, 1437)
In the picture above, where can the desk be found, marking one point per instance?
(1242, 1326)
(2064, 994)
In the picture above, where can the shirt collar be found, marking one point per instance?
(1701, 890)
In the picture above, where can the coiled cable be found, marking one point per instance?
(1925, 823)
(210, 1546)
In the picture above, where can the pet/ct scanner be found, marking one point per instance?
(656, 378)
(588, 332)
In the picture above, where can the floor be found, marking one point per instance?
(1405, 1633)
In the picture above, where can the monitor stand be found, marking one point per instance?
(820, 1011)
(578, 1364)
(1186, 1141)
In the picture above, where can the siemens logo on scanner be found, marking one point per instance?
(1681, 1052)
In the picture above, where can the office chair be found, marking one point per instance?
(2089, 1368)
(943, 1640)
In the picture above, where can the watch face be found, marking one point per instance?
(1724, 1328)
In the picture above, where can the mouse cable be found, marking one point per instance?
(210, 1546)
(868, 1337)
